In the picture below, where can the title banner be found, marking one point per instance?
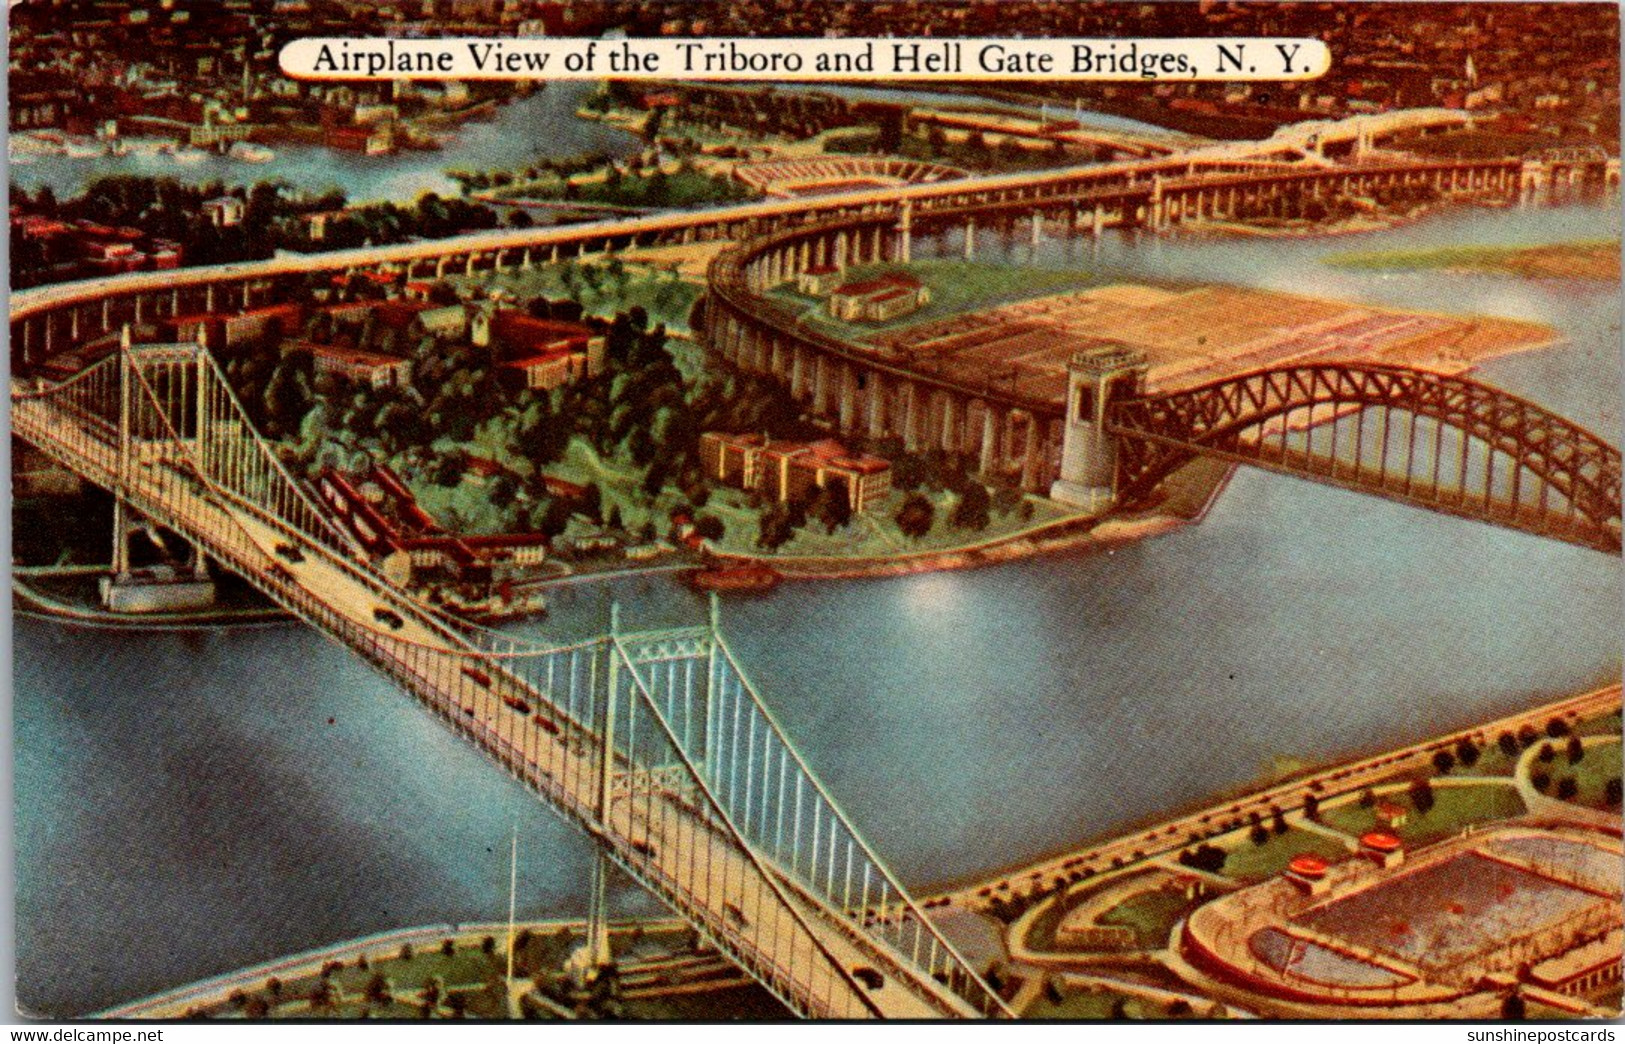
(852, 59)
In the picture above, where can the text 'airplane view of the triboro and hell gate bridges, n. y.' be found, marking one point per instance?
(657, 744)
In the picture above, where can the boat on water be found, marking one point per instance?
(248, 152)
(187, 154)
(748, 579)
(85, 149)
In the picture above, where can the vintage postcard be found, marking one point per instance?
(1004, 509)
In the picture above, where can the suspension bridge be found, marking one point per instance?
(656, 744)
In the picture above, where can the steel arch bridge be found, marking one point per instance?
(1447, 443)
(656, 744)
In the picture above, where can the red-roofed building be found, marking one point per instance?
(384, 516)
(793, 470)
(818, 280)
(878, 300)
(380, 371)
(548, 352)
(233, 328)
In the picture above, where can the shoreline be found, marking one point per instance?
(959, 894)
(1204, 814)
(31, 602)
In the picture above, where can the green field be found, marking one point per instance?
(1152, 915)
(601, 288)
(1250, 862)
(956, 287)
(1454, 808)
(1600, 764)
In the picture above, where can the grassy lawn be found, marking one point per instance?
(1600, 764)
(1250, 862)
(667, 298)
(1492, 761)
(956, 287)
(1607, 725)
(874, 533)
(468, 972)
(1454, 808)
(1151, 914)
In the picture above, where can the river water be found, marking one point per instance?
(542, 125)
(189, 804)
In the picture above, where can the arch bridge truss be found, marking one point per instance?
(1441, 442)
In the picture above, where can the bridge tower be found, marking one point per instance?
(1096, 377)
(150, 436)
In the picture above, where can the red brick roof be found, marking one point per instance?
(889, 283)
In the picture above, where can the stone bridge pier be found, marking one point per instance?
(1095, 379)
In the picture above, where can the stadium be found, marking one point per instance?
(1462, 924)
(788, 178)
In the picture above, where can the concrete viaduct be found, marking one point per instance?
(1011, 434)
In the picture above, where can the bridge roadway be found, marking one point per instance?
(663, 839)
(34, 301)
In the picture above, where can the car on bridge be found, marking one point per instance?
(289, 552)
(388, 617)
(870, 978)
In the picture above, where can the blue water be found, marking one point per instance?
(540, 126)
(184, 807)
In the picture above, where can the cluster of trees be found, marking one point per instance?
(163, 208)
(972, 152)
(1204, 857)
(758, 111)
(555, 167)
(377, 224)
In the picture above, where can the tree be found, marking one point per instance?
(1512, 1007)
(774, 528)
(1546, 753)
(1611, 792)
(432, 992)
(1467, 752)
(1443, 761)
(1277, 820)
(1508, 744)
(1311, 807)
(447, 472)
(1368, 798)
(1540, 780)
(972, 511)
(1421, 794)
(1258, 835)
(709, 527)
(1576, 751)
(832, 507)
(916, 516)
(1556, 727)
